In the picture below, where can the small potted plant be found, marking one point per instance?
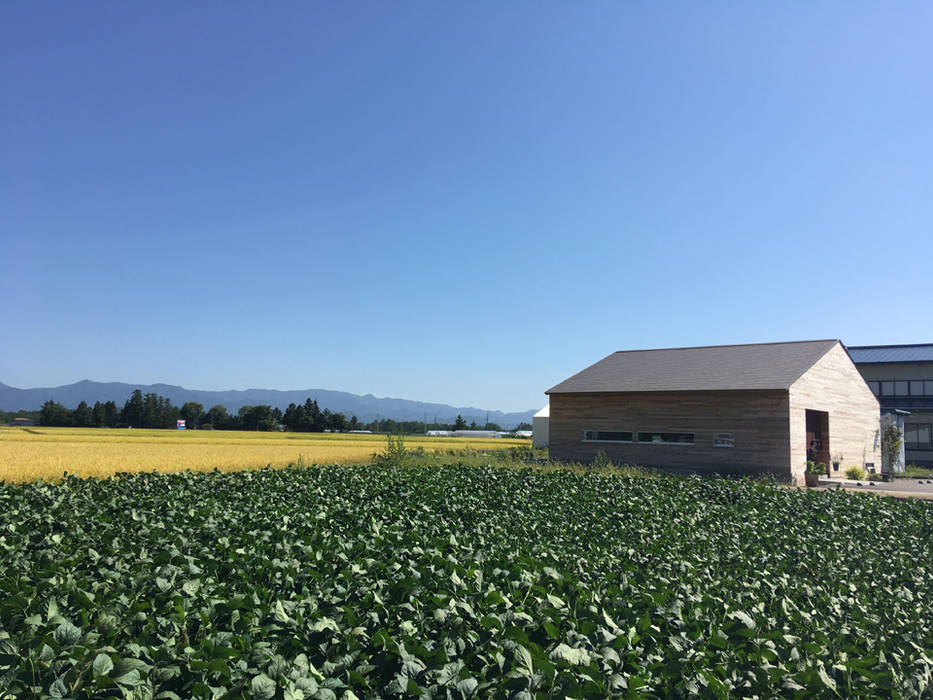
(813, 473)
(837, 460)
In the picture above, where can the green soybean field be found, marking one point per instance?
(459, 582)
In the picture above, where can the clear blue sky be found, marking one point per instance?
(455, 202)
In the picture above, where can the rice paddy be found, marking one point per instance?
(28, 454)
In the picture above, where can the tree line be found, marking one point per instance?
(155, 411)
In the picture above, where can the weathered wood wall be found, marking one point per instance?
(757, 419)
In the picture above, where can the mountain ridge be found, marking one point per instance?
(366, 407)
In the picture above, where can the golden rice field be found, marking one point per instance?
(27, 454)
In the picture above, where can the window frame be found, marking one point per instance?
(916, 446)
(631, 433)
(639, 433)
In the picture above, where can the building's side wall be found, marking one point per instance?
(539, 426)
(758, 421)
(894, 371)
(834, 385)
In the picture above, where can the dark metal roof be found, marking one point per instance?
(763, 366)
(869, 354)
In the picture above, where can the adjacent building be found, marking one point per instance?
(747, 409)
(901, 376)
(539, 425)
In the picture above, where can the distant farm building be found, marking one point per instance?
(22, 422)
(539, 424)
(751, 409)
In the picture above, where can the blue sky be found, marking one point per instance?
(455, 202)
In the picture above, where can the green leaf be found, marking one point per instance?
(523, 661)
(58, 689)
(742, 617)
(102, 665)
(325, 623)
(130, 678)
(570, 655)
(467, 687)
(66, 634)
(280, 614)
(51, 609)
(825, 679)
(263, 687)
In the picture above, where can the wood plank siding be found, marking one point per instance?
(756, 419)
(833, 384)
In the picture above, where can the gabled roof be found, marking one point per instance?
(763, 366)
(868, 354)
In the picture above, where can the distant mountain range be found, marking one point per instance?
(366, 408)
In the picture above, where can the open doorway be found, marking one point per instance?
(818, 437)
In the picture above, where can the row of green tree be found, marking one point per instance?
(155, 411)
(8, 416)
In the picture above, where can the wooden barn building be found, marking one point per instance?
(749, 409)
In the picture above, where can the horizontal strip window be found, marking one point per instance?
(667, 438)
(918, 436)
(902, 387)
(605, 436)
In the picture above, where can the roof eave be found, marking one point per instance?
(893, 362)
(663, 391)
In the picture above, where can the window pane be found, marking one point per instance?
(887, 388)
(614, 436)
(924, 431)
(900, 388)
(916, 388)
(910, 436)
(667, 438)
(874, 387)
(606, 436)
(928, 388)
